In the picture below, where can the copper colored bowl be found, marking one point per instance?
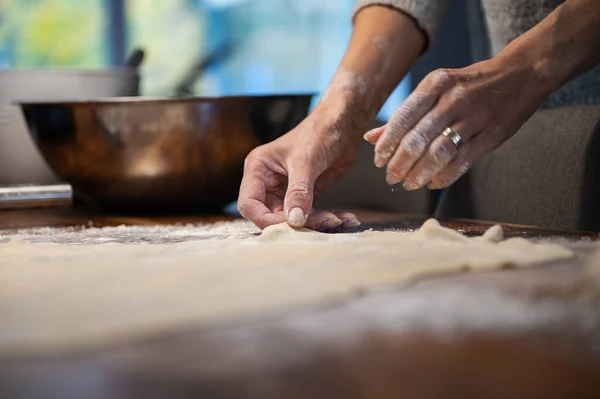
(135, 154)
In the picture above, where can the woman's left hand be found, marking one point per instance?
(485, 103)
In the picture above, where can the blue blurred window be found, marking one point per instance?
(279, 45)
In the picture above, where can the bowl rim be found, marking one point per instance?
(133, 100)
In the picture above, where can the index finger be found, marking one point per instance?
(401, 121)
(252, 202)
(406, 116)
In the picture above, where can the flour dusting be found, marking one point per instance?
(83, 235)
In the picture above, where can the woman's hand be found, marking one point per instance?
(484, 103)
(282, 177)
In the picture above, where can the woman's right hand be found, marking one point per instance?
(281, 178)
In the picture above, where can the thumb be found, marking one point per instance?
(299, 196)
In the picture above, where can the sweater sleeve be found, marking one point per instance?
(428, 14)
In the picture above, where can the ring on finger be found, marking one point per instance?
(453, 136)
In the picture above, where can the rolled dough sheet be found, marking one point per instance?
(56, 298)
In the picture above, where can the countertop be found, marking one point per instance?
(532, 333)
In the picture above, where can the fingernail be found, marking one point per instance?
(331, 223)
(410, 185)
(296, 217)
(392, 179)
(433, 186)
(369, 135)
(350, 223)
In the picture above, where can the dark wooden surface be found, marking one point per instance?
(531, 333)
(67, 216)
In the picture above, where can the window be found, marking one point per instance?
(277, 45)
(40, 33)
(172, 34)
(98, 33)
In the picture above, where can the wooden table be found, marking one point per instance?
(531, 333)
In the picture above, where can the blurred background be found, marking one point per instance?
(273, 47)
(278, 46)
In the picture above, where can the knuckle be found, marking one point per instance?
(459, 94)
(255, 152)
(430, 126)
(299, 188)
(414, 143)
(426, 125)
(400, 116)
(395, 169)
(249, 160)
(442, 152)
(496, 134)
(417, 103)
(441, 77)
(386, 147)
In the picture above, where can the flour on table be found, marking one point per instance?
(80, 235)
(57, 297)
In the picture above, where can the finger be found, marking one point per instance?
(373, 135)
(349, 219)
(439, 155)
(259, 214)
(323, 221)
(453, 105)
(401, 121)
(417, 105)
(479, 146)
(299, 195)
(251, 202)
(415, 143)
(332, 221)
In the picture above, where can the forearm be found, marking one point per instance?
(384, 44)
(564, 45)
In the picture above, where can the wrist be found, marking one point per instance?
(539, 78)
(348, 120)
(349, 105)
(549, 74)
(547, 52)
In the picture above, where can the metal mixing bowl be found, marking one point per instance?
(20, 161)
(135, 154)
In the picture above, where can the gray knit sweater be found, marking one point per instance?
(501, 22)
